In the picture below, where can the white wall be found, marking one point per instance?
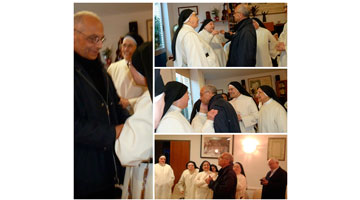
(116, 24)
(223, 82)
(255, 164)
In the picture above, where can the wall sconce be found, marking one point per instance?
(249, 145)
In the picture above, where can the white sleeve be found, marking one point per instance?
(198, 122)
(194, 52)
(135, 142)
(208, 127)
(272, 45)
(181, 182)
(253, 116)
(281, 120)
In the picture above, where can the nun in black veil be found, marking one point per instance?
(188, 49)
(272, 115)
(134, 146)
(245, 107)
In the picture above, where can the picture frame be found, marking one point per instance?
(194, 8)
(277, 148)
(149, 29)
(255, 83)
(212, 146)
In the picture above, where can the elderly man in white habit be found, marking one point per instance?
(126, 87)
(188, 49)
(214, 38)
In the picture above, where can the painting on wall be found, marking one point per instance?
(255, 83)
(276, 148)
(194, 8)
(212, 146)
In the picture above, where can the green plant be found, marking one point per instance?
(215, 12)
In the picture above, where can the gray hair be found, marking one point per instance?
(273, 159)
(244, 11)
(211, 88)
(79, 16)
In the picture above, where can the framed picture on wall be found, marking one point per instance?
(255, 83)
(276, 148)
(212, 146)
(149, 28)
(194, 8)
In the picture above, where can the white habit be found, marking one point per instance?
(272, 118)
(215, 41)
(202, 190)
(240, 187)
(266, 47)
(174, 122)
(186, 183)
(134, 145)
(192, 51)
(201, 124)
(164, 180)
(246, 107)
(283, 55)
(124, 83)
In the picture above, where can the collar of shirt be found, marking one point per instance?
(273, 172)
(174, 108)
(270, 100)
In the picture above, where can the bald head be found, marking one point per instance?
(88, 34)
(225, 159)
(241, 12)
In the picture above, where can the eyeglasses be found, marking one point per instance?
(93, 38)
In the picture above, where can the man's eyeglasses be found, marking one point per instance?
(93, 38)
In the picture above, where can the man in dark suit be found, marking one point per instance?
(274, 184)
(225, 185)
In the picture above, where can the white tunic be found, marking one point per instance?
(124, 83)
(246, 107)
(283, 55)
(174, 122)
(201, 124)
(215, 41)
(186, 183)
(266, 47)
(164, 180)
(134, 145)
(202, 190)
(272, 118)
(240, 187)
(191, 50)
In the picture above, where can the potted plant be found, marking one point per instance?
(215, 12)
(107, 55)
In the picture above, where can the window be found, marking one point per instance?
(159, 29)
(186, 81)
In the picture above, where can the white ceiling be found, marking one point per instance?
(210, 74)
(103, 9)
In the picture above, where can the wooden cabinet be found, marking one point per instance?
(281, 90)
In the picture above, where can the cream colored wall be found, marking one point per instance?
(255, 164)
(116, 25)
(223, 82)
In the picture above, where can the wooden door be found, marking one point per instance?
(179, 156)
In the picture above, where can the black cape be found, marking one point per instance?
(243, 46)
(225, 185)
(226, 120)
